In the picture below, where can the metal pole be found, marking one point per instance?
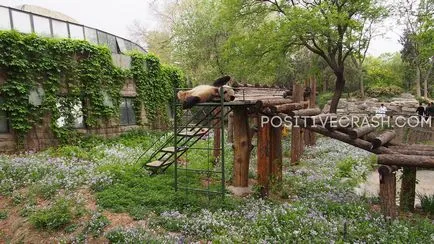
(175, 124)
(222, 138)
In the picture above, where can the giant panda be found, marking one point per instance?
(206, 93)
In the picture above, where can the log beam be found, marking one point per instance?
(361, 131)
(406, 160)
(388, 191)
(241, 147)
(408, 189)
(263, 158)
(384, 138)
(305, 112)
(276, 154)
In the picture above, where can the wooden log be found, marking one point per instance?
(295, 144)
(241, 147)
(277, 101)
(414, 152)
(285, 108)
(263, 158)
(342, 124)
(408, 189)
(344, 138)
(296, 138)
(383, 138)
(231, 127)
(388, 191)
(361, 131)
(305, 112)
(406, 160)
(310, 137)
(217, 133)
(321, 119)
(412, 147)
(276, 154)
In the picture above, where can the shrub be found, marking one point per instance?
(384, 91)
(324, 98)
(96, 224)
(54, 217)
(3, 215)
(427, 203)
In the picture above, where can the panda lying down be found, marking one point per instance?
(206, 93)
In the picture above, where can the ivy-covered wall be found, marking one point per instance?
(64, 72)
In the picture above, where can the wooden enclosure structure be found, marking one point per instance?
(297, 104)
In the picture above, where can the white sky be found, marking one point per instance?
(115, 16)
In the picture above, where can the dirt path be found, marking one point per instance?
(425, 184)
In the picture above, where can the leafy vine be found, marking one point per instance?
(71, 72)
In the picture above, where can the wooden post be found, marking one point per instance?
(310, 138)
(217, 132)
(388, 191)
(408, 189)
(296, 138)
(230, 127)
(263, 158)
(276, 153)
(241, 147)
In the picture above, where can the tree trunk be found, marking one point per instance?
(362, 84)
(418, 94)
(339, 88)
(425, 81)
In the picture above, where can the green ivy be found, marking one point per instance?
(155, 84)
(70, 71)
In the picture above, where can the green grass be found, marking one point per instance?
(57, 216)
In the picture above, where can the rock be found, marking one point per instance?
(326, 108)
(408, 110)
(342, 104)
(240, 191)
(395, 108)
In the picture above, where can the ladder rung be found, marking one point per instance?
(156, 164)
(192, 133)
(172, 149)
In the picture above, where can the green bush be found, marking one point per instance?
(54, 217)
(3, 215)
(345, 167)
(324, 98)
(427, 203)
(384, 91)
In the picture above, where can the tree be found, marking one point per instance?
(328, 28)
(417, 40)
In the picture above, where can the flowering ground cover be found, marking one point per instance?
(97, 191)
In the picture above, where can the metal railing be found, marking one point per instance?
(27, 22)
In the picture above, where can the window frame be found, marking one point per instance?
(129, 119)
(8, 127)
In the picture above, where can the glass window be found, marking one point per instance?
(102, 38)
(128, 117)
(36, 95)
(5, 21)
(42, 26)
(21, 22)
(70, 112)
(111, 42)
(4, 125)
(60, 29)
(76, 32)
(128, 45)
(121, 45)
(91, 35)
(108, 102)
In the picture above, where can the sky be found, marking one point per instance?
(116, 16)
